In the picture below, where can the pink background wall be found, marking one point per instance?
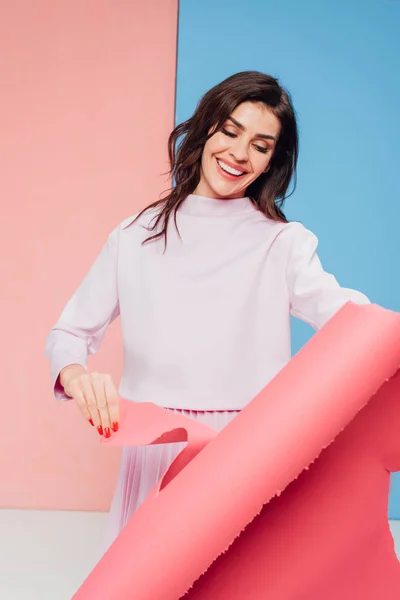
(87, 106)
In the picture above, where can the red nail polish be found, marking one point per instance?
(91, 422)
(100, 430)
(107, 432)
(115, 426)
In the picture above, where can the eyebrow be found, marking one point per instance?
(259, 135)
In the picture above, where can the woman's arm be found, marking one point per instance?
(84, 320)
(315, 295)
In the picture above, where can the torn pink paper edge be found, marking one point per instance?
(220, 482)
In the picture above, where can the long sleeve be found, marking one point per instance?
(315, 295)
(85, 318)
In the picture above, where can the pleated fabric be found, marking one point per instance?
(142, 466)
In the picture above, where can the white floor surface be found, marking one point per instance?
(46, 555)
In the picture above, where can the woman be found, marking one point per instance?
(205, 300)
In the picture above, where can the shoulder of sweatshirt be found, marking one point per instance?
(294, 235)
(144, 221)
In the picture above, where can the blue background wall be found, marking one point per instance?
(340, 62)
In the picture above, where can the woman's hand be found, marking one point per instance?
(95, 395)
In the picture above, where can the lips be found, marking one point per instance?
(227, 175)
(237, 167)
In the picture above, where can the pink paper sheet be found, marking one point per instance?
(269, 507)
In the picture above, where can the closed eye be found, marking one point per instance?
(233, 135)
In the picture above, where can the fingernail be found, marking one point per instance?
(91, 422)
(107, 432)
(115, 426)
(100, 430)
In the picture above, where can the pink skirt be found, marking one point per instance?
(142, 466)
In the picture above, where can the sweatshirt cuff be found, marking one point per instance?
(63, 361)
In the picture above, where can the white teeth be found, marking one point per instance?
(228, 168)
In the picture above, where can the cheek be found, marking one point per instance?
(206, 153)
(214, 145)
(260, 163)
(209, 150)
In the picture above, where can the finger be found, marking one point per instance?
(88, 392)
(101, 400)
(112, 401)
(81, 402)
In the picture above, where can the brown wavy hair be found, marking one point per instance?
(268, 191)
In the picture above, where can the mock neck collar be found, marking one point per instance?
(202, 205)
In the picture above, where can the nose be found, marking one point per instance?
(238, 150)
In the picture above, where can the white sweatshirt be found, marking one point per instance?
(206, 325)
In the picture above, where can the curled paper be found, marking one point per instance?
(289, 500)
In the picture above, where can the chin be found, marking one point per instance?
(223, 189)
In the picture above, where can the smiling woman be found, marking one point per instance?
(206, 324)
(242, 140)
(238, 151)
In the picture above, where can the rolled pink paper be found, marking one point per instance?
(289, 500)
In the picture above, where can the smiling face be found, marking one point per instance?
(239, 152)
